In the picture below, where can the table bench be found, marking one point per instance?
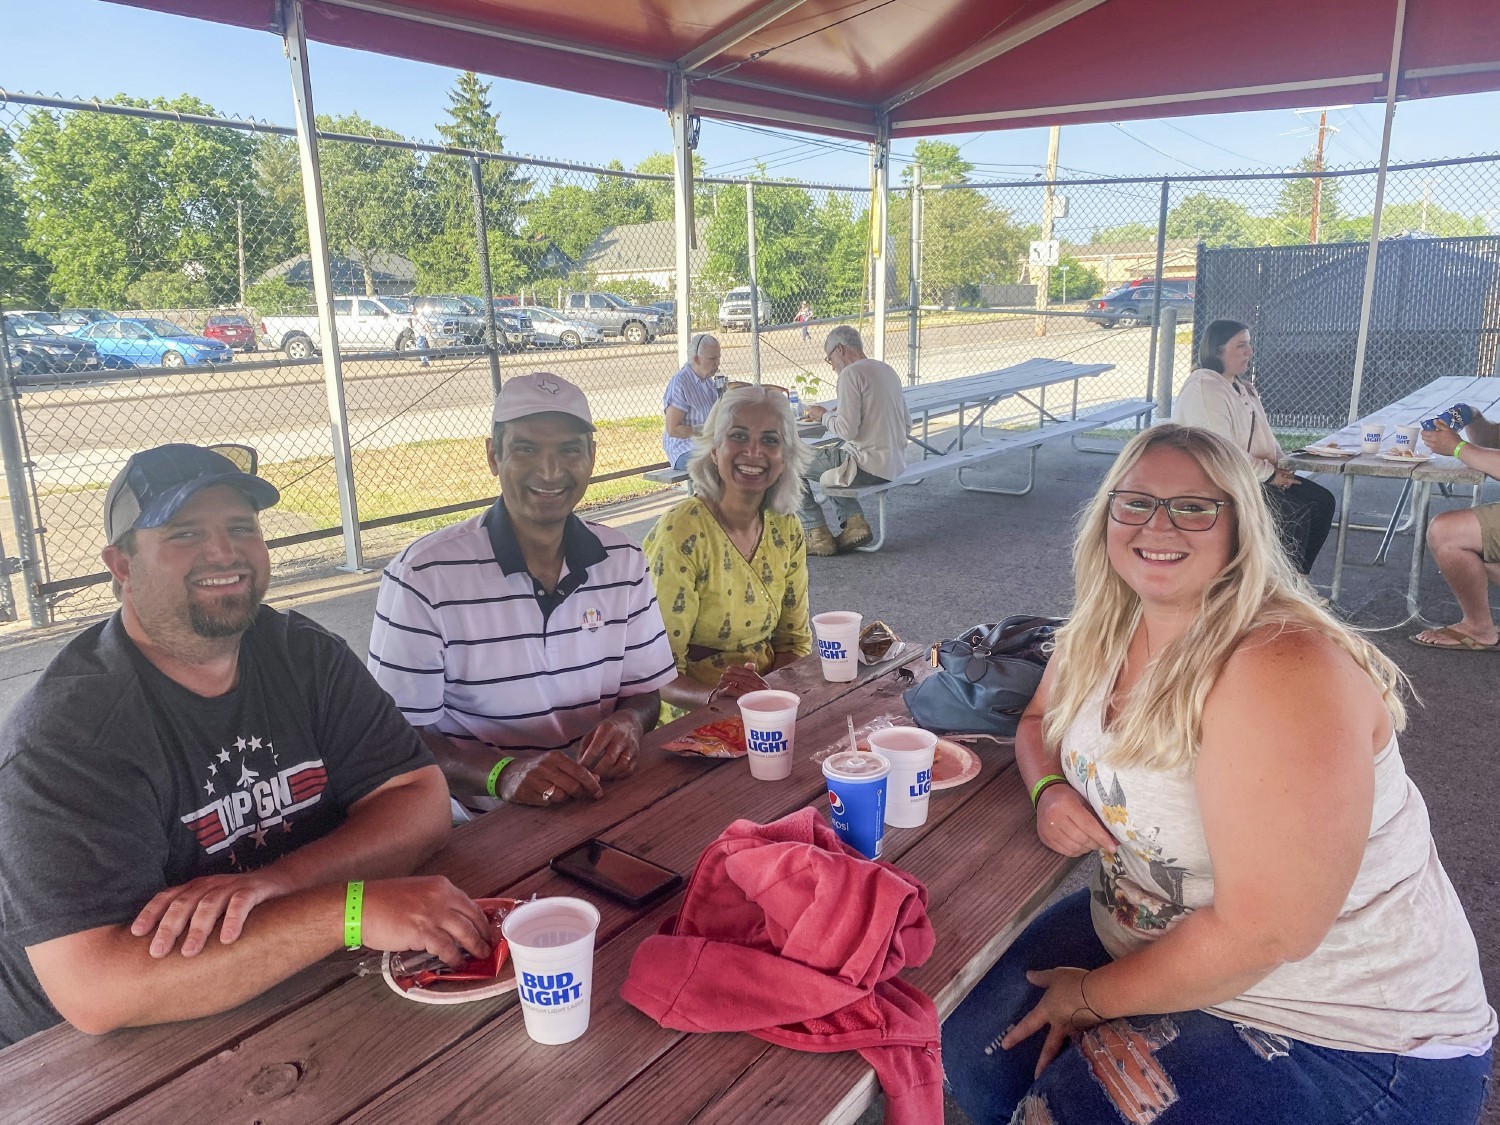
(967, 457)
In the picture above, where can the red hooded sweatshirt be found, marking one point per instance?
(787, 933)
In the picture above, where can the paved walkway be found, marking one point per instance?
(955, 559)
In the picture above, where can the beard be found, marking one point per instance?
(228, 617)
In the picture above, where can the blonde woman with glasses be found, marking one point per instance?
(1270, 937)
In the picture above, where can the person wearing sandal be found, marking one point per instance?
(730, 563)
(1466, 542)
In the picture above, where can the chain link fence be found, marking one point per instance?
(156, 278)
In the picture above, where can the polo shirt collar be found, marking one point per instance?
(581, 547)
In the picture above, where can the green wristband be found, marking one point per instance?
(1050, 779)
(1459, 446)
(354, 913)
(489, 782)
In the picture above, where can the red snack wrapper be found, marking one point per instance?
(722, 739)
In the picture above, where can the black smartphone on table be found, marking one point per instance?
(619, 874)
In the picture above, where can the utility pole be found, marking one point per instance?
(1317, 198)
(1043, 276)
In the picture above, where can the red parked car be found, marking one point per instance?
(233, 330)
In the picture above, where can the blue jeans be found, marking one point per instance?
(680, 461)
(810, 512)
(1186, 1068)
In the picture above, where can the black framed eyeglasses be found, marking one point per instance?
(1187, 513)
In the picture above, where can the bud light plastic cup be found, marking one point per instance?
(856, 799)
(552, 947)
(1371, 434)
(838, 644)
(910, 750)
(770, 719)
(1406, 438)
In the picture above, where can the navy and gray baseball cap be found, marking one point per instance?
(155, 484)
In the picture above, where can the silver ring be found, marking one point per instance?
(548, 793)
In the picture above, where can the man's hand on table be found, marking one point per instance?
(424, 912)
(813, 413)
(611, 748)
(191, 910)
(1283, 478)
(547, 779)
(1443, 440)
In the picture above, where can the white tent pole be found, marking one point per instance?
(880, 160)
(1367, 300)
(682, 209)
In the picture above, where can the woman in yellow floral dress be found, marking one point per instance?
(729, 563)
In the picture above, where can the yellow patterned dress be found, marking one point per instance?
(721, 608)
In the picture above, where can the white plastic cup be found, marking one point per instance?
(552, 947)
(770, 719)
(838, 644)
(1406, 437)
(1371, 434)
(910, 750)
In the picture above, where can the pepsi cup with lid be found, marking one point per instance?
(856, 799)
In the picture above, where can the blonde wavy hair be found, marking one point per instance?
(785, 495)
(1160, 724)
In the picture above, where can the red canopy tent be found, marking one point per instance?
(931, 66)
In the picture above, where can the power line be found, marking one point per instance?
(1159, 152)
(1211, 144)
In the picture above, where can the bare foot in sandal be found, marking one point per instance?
(1455, 637)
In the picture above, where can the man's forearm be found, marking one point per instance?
(388, 832)
(124, 986)
(1486, 460)
(646, 707)
(466, 766)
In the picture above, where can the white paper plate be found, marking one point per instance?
(1331, 450)
(1414, 459)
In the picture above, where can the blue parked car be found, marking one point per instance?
(149, 342)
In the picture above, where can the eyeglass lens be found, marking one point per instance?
(1187, 513)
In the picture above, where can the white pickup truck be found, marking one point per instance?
(368, 324)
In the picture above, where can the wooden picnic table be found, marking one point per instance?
(1419, 476)
(331, 1044)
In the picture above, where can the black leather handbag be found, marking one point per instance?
(984, 678)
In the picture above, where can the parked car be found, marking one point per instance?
(378, 324)
(614, 316)
(232, 329)
(734, 309)
(515, 323)
(550, 329)
(77, 318)
(51, 321)
(1130, 305)
(36, 350)
(149, 342)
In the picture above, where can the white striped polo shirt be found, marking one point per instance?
(693, 396)
(464, 639)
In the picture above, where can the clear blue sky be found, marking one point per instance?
(88, 48)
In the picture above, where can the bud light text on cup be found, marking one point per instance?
(550, 990)
(832, 650)
(765, 741)
(922, 786)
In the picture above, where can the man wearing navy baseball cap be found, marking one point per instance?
(196, 790)
(526, 643)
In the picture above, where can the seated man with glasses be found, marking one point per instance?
(870, 419)
(195, 791)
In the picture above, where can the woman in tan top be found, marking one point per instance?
(1270, 937)
(1220, 396)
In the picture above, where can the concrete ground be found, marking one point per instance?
(954, 559)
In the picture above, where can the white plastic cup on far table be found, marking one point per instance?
(910, 750)
(770, 719)
(1371, 434)
(552, 947)
(1406, 438)
(837, 634)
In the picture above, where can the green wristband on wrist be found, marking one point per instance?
(490, 782)
(1050, 779)
(1459, 446)
(354, 914)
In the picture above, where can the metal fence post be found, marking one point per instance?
(481, 234)
(1166, 355)
(1161, 254)
(754, 285)
(294, 37)
(880, 158)
(914, 277)
(21, 508)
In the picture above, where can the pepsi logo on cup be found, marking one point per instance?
(550, 990)
(832, 650)
(834, 804)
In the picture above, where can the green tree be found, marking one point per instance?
(166, 290)
(111, 198)
(1293, 212)
(276, 214)
(1078, 283)
(659, 192)
(967, 242)
(374, 198)
(1125, 232)
(791, 246)
(23, 275)
(276, 296)
(1401, 218)
(1212, 220)
(448, 259)
(941, 163)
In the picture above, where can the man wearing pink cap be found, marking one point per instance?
(525, 644)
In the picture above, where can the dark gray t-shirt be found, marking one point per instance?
(116, 782)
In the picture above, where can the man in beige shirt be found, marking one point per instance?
(870, 419)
